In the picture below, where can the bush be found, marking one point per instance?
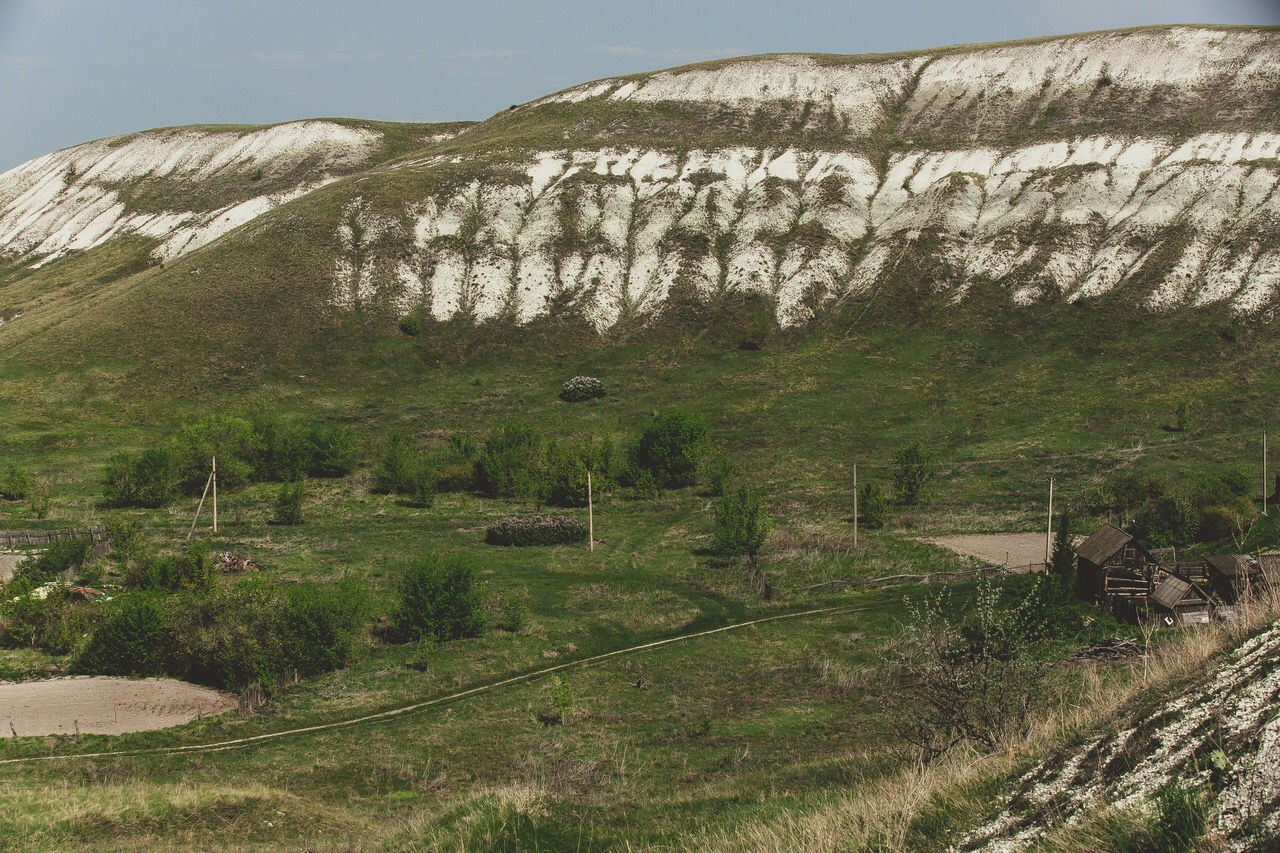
(38, 499)
(15, 482)
(421, 488)
(873, 506)
(741, 523)
(331, 450)
(510, 465)
(232, 440)
(513, 615)
(396, 465)
(528, 530)
(323, 624)
(671, 446)
(282, 452)
(129, 641)
(1223, 522)
(1063, 561)
(53, 623)
(228, 637)
(914, 470)
(441, 598)
(1167, 521)
(718, 475)
(191, 570)
(289, 502)
(62, 556)
(582, 388)
(566, 476)
(411, 325)
(149, 479)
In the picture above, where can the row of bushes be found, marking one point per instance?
(517, 461)
(262, 446)
(1206, 508)
(536, 530)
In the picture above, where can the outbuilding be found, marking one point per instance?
(1177, 602)
(1113, 569)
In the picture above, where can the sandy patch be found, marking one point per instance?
(9, 562)
(104, 705)
(997, 549)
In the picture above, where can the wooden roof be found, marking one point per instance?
(1103, 544)
(1231, 565)
(1173, 590)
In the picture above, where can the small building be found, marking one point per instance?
(1112, 569)
(1178, 602)
(1233, 575)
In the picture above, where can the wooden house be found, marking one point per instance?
(1233, 575)
(1178, 602)
(1113, 570)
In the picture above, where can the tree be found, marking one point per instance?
(671, 446)
(872, 505)
(442, 598)
(914, 470)
(741, 523)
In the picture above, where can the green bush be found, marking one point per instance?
(396, 465)
(411, 325)
(193, 569)
(741, 523)
(129, 640)
(566, 476)
(15, 482)
(331, 450)
(914, 470)
(510, 465)
(522, 531)
(671, 445)
(232, 440)
(718, 475)
(513, 615)
(441, 598)
(1223, 522)
(53, 623)
(62, 556)
(873, 506)
(1169, 521)
(228, 637)
(290, 498)
(150, 479)
(282, 452)
(38, 498)
(323, 623)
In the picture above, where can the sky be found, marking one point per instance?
(75, 70)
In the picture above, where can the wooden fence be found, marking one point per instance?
(10, 539)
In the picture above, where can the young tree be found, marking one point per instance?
(1063, 562)
(915, 468)
(873, 507)
(671, 446)
(741, 523)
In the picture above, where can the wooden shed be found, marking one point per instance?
(1232, 575)
(1112, 568)
(1177, 602)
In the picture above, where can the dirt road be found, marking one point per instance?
(104, 705)
(1019, 549)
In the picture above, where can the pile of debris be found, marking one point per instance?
(235, 563)
(1114, 648)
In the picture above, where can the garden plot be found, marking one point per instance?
(105, 705)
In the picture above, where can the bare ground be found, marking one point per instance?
(997, 549)
(9, 562)
(104, 705)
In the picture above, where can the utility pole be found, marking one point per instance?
(591, 518)
(214, 476)
(200, 506)
(1048, 533)
(855, 504)
(1264, 472)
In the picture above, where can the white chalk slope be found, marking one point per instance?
(1066, 218)
(77, 198)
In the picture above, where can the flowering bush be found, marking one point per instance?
(536, 530)
(581, 388)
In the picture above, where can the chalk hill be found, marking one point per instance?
(1139, 166)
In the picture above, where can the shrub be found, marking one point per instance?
(521, 531)
(873, 506)
(228, 637)
(52, 622)
(232, 440)
(1063, 561)
(423, 654)
(582, 388)
(741, 523)
(566, 476)
(510, 465)
(38, 498)
(671, 446)
(149, 479)
(411, 325)
(914, 469)
(323, 624)
(513, 615)
(396, 464)
(191, 570)
(718, 475)
(1170, 520)
(129, 640)
(282, 452)
(15, 482)
(62, 556)
(1222, 522)
(289, 502)
(331, 450)
(561, 698)
(441, 598)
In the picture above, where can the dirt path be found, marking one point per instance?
(104, 705)
(9, 562)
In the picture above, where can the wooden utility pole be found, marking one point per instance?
(200, 505)
(591, 518)
(214, 476)
(1048, 533)
(1264, 472)
(855, 504)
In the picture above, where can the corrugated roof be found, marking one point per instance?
(1103, 544)
(1170, 591)
(1231, 565)
(1270, 564)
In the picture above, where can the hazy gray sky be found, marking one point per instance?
(74, 70)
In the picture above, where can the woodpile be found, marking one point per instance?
(1115, 648)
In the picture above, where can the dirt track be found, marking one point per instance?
(104, 705)
(9, 562)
